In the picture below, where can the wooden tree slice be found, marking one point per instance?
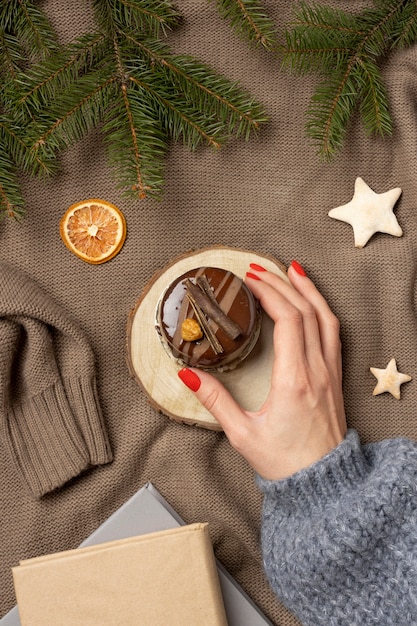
(156, 370)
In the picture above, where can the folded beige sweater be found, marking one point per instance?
(50, 416)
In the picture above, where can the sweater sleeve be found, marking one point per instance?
(339, 538)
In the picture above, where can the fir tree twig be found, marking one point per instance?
(25, 35)
(127, 78)
(346, 48)
(122, 77)
(249, 19)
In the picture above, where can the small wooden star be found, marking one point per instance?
(369, 212)
(389, 379)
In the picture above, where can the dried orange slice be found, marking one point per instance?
(94, 230)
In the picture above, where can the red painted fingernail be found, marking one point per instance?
(298, 268)
(256, 267)
(253, 276)
(190, 379)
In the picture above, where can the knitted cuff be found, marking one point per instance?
(340, 470)
(45, 442)
(85, 407)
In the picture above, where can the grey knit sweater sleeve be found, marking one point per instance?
(339, 538)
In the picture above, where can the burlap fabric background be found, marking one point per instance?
(271, 195)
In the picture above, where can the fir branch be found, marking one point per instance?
(79, 110)
(25, 36)
(374, 104)
(207, 90)
(346, 49)
(136, 148)
(404, 33)
(143, 92)
(149, 16)
(14, 143)
(121, 77)
(180, 119)
(11, 58)
(320, 39)
(30, 26)
(331, 108)
(11, 199)
(37, 88)
(249, 19)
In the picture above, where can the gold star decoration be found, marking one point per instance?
(389, 379)
(369, 212)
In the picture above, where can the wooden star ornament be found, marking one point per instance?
(369, 212)
(389, 379)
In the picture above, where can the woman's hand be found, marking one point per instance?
(303, 417)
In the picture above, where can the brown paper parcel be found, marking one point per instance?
(166, 577)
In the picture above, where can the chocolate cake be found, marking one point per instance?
(208, 318)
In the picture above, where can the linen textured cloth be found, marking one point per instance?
(339, 538)
(272, 195)
(50, 415)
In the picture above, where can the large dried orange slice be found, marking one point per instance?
(94, 230)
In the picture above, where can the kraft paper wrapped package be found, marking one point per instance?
(272, 195)
(167, 577)
(145, 512)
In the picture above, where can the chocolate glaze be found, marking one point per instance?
(233, 297)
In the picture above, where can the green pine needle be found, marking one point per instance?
(145, 94)
(11, 57)
(122, 78)
(11, 199)
(146, 16)
(30, 26)
(37, 88)
(346, 49)
(374, 100)
(25, 36)
(404, 32)
(15, 145)
(200, 86)
(131, 122)
(249, 20)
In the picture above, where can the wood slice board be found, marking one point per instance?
(156, 370)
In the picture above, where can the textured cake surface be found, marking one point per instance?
(233, 298)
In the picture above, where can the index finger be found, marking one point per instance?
(291, 309)
(305, 295)
(289, 331)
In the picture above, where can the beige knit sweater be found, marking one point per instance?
(50, 415)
